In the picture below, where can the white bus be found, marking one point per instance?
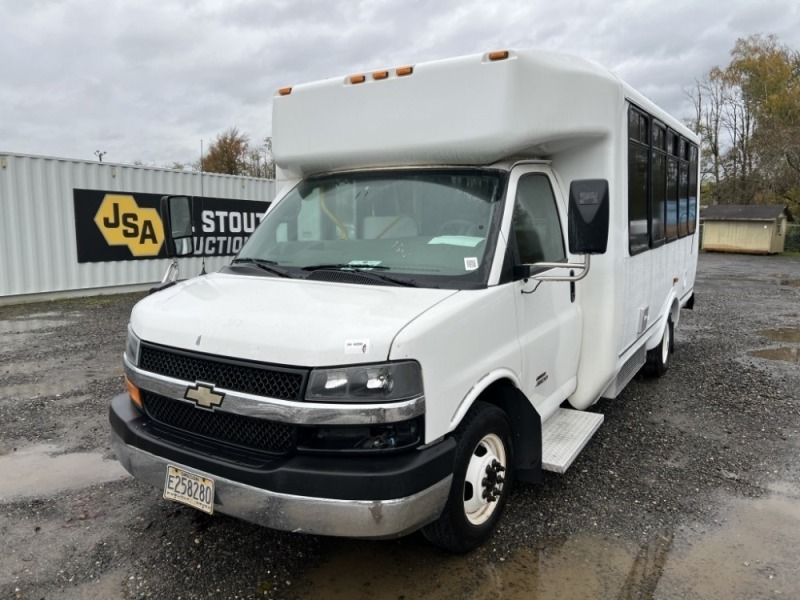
(416, 324)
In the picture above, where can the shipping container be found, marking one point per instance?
(75, 227)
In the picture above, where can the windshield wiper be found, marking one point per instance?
(346, 267)
(365, 270)
(265, 265)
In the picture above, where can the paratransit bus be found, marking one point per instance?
(466, 256)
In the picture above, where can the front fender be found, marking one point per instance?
(481, 386)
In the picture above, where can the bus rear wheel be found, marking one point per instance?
(658, 358)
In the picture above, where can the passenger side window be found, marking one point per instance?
(535, 221)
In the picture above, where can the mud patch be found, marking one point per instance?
(791, 282)
(41, 471)
(54, 376)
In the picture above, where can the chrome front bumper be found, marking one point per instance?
(320, 516)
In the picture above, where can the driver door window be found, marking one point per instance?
(535, 221)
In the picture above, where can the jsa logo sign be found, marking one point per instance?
(123, 223)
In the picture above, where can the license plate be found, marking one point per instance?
(189, 488)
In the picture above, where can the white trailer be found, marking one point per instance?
(416, 322)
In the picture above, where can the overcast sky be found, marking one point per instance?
(148, 79)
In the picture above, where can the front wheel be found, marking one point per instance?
(481, 481)
(658, 358)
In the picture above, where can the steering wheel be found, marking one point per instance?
(460, 227)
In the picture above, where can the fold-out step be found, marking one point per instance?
(564, 435)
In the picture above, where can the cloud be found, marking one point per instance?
(148, 79)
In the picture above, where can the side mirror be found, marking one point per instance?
(588, 216)
(176, 214)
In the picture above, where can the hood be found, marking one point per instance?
(283, 321)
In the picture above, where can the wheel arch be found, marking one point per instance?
(526, 423)
(671, 309)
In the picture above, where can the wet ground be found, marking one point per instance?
(691, 489)
(751, 550)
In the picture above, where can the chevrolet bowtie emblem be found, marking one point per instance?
(204, 395)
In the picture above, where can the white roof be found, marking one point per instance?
(462, 111)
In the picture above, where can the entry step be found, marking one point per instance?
(564, 435)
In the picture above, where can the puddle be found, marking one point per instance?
(39, 471)
(579, 567)
(782, 334)
(783, 353)
(754, 554)
(19, 341)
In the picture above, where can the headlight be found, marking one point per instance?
(132, 347)
(387, 382)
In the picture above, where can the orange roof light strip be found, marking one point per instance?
(285, 91)
(357, 79)
(498, 55)
(380, 74)
(403, 71)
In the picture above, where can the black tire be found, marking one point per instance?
(658, 358)
(468, 518)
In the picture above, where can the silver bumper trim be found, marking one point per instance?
(303, 514)
(283, 411)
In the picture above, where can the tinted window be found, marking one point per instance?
(535, 221)
(672, 199)
(639, 238)
(683, 206)
(658, 229)
(693, 164)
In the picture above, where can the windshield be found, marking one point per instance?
(426, 227)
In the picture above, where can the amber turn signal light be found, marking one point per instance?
(134, 392)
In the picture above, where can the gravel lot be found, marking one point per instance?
(663, 497)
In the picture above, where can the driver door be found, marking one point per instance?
(548, 319)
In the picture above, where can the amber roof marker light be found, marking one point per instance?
(498, 55)
(357, 79)
(380, 75)
(403, 71)
(284, 91)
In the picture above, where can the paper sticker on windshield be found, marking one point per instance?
(470, 263)
(356, 346)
